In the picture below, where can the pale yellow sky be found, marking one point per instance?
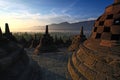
(23, 15)
(17, 22)
(21, 19)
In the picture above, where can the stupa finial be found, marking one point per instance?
(7, 30)
(81, 31)
(0, 32)
(46, 31)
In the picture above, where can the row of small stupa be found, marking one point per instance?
(14, 62)
(98, 58)
(43, 44)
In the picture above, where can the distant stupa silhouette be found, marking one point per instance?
(81, 31)
(8, 34)
(77, 40)
(46, 31)
(46, 43)
(7, 30)
(98, 58)
(14, 62)
(0, 32)
(34, 42)
(82, 36)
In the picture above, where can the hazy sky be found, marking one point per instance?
(23, 14)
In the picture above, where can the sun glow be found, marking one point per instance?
(24, 15)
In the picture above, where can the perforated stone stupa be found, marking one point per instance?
(46, 43)
(77, 40)
(98, 58)
(8, 34)
(14, 62)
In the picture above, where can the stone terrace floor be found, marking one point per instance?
(53, 65)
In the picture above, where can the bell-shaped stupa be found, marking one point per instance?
(77, 40)
(14, 62)
(98, 58)
(46, 43)
(8, 35)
